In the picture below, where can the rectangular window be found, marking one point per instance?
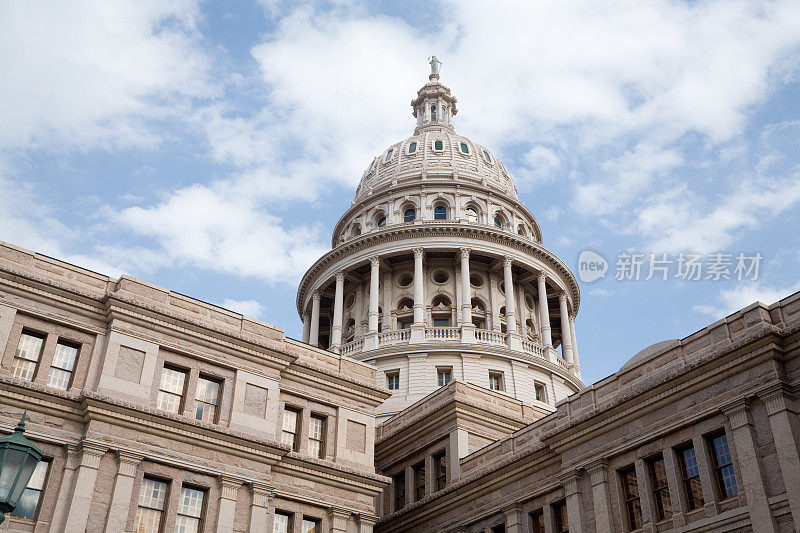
(630, 492)
(723, 466)
(480, 324)
(537, 521)
(399, 482)
(291, 428)
(28, 503)
(441, 322)
(496, 381)
(393, 380)
(501, 528)
(282, 523)
(440, 469)
(405, 324)
(443, 376)
(316, 437)
(171, 389)
(152, 495)
(207, 399)
(311, 525)
(541, 392)
(658, 479)
(190, 511)
(60, 374)
(26, 359)
(560, 518)
(419, 481)
(691, 478)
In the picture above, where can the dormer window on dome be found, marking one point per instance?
(464, 148)
(438, 145)
(433, 113)
(412, 147)
(388, 155)
(487, 157)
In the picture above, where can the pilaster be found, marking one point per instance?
(778, 402)
(338, 518)
(572, 494)
(85, 477)
(122, 496)
(598, 474)
(226, 514)
(262, 494)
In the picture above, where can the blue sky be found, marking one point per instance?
(211, 147)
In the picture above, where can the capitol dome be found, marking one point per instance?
(437, 272)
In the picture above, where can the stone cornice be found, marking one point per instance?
(472, 234)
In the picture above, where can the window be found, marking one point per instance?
(440, 469)
(443, 376)
(412, 147)
(480, 324)
(630, 492)
(405, 324)
(381, 222)
(282, 523)
(487, 157)
(433, 113)
(464, 148)
(498, 222)
(472, 214)
(537, 521)
(409, 215)
(152, 495)
(441, 277)
(388, 155)
(496, 381)
(311, 525)
(190, 511)
(540, 391)
(171, 389)
(316, 437)
(691, 478)
(419, 481)
(658, 477)
(207, 399)
(560, 518)
(28, 503)
(399, 482)
(60, 374)
(475, 281)
(723, 466)
(440, 212)
(438, 145)
(291, 428)
(27, 356)
(441, 322)
(500, 528)
(393, 380)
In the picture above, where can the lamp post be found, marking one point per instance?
(18, 460)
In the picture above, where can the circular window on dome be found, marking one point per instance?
(405, 280)
(438, 145)
(441, 277)
(412, 147)
(464, 148)
(348, 303)
(475, 280)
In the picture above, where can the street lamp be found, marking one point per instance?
(18, 460)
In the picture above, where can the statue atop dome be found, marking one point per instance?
(435, 64)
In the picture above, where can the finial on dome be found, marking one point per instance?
(435, 64)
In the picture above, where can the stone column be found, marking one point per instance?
(122, 496)
(751, 469)
(603, 518)
(338, 305)
(645, 496)
(339, 517)
(226, 513)
(566, 341)
(366, 523)
(544, 313)
(466, 301)
(71, 464)
(313, 335)
(419, 288)
(306, 327)
(374, 279)
(494, 307)
(574, 341)
(515, 523)
(259, 508)
(387, 300)
(574, 502)
(778, 411)
(511, 305)
(524, 314)
(82, 493)
(457, 292)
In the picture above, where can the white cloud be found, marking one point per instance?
(744, 294)
(249, 308)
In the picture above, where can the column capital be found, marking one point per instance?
(598, 471)
(570, 481)
(230, 487)
(465, 252)
(541, 278)
(418, 253)
(374, 260)
(338, 513)
(776, 399)
(316, 296)
(262, 494)
(340, 276)
(507, 261)
(562, 296)
(127, 462)
(737, 413)
(367, 519)
(91, 454)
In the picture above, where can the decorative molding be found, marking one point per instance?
(570, 481)
(598, 471)
(419, 253)
(91, 454)
(737, 413)
(262, 494)
(229, 487)
(127, 462)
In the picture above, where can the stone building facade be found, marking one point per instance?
(155, 410)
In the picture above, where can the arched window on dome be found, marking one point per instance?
(440, 212)
(388, 155)
(444, 113)
(412, 147)
(471, 213)
(521, 230)
(381, 221)
(498, 221)
(409, 215)
(433, 113)
(464, 148)
(487, 157)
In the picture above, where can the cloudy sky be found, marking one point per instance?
(211, 147)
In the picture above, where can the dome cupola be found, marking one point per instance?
(434, 106)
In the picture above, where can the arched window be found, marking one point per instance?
(440, 301)
(433, 113)
(409, 215)
(412, 147)
(356, 230)
(388, 155)
(498, 221)
(438, 145)
(406, 304)
(440, 212)
(487, 157)
(472, 214)
(521, 230)
(381, 222)
(464, 148)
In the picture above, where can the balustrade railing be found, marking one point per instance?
(532, 348)
(443, 333)
(352, 347)
(393, 337)
(489, 336)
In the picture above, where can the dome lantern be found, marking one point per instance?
(434, 105)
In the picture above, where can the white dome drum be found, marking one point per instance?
(437, 272)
